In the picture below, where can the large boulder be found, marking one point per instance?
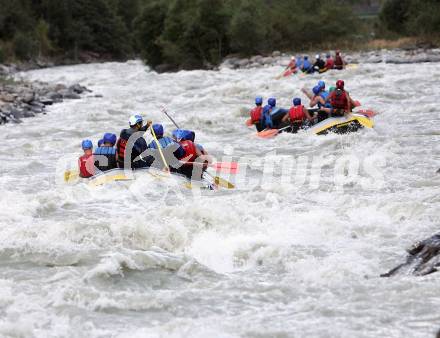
(423, 258)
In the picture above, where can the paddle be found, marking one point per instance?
(269, 133)
(166, 167)
(70, 175)
(221, 182)
(218, 180)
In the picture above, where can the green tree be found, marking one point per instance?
(25, 47)
(195, 33)
(149, 26)
(42, 32)
(246, 31)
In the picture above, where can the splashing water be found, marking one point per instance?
(297, 254)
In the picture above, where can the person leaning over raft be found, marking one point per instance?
(86, 163)
(340, 100)
(105, 154)
(339, 62)
(137, 145)
(330, 63)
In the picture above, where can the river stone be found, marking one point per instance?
(27, 96)
(55, 96)
(27, 114)
(267, 60)
(77, 88)
(256, 59)
(276, 54)
(59, 87)
(243, 63)
(37, 104)
(46, 101)
(6, 97)
(69, 95)
(37, 110)
(18, 114)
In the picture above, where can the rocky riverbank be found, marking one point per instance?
(395, 56)
(20, 99)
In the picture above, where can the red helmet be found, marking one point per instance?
(338, 52)
(340, 84)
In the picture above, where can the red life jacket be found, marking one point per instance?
(190, 151)
(329, 64)
(86, 164)
(338, 62)
(339, 100)
(296, 113)
(120, 151)
(256, 114)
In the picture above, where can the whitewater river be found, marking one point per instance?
(296, 255)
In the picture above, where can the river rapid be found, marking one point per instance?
(296, 253)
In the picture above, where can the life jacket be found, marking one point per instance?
(137, 148)
(190, 151)
(307, 65)
(256, 114)
(163, 142)
(86, 165)
(105, 158)
(296, 114)
(292, 65)
(338, 62)
(166, 142)
(324, 94)
(266, 119)
(329, 64)
(120, 150)
(339, 100)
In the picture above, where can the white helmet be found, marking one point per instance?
(317, 56)
(135, 119)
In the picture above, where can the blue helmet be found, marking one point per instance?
(87, 144)
(316, 90)
(109, 138)
(296, 101)
(272, 102)
(158, 129)
(100, 142)
(183, 135)
(306, 57)
(321, 84)
(258, 100)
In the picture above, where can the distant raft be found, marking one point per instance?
(338, 125)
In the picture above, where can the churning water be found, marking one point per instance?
(293, 254)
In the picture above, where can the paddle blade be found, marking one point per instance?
(223, 183)
(71, 175)
(268, 133)
(367, 112)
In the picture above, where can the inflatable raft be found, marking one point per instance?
(118, 175)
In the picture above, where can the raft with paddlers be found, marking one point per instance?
(338, 125)
(121, 175)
